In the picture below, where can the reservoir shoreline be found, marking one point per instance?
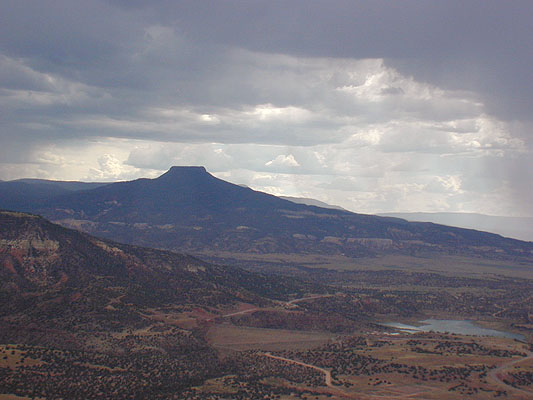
(461, 327)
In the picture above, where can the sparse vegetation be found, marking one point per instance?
(87, 318)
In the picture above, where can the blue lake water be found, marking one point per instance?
(461, 327)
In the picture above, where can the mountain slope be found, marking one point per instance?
(67, 185)
(46, 268)
(25, 194)
(188, 209)
(514, 227)
(311, 202)
(19, 195)
(130, 321)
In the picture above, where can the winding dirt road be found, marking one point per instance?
(250, 310)
(335, 390)
(496, 374)
(319, 296)
(326, 373)
(332, 390)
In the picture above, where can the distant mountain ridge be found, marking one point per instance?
(25, 194)
(311, 202)
(67, 185)
(187, 209)
(515, 227)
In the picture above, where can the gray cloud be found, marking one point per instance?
(481, 45)
(377, 106)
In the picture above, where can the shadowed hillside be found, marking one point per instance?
(187, 209)
(130, 320)
(47, 269)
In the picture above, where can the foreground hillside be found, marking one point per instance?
(69, 278)
(68, 258)
(187, 209)
(112, 313)
(82, 317)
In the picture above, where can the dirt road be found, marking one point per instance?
(326, 373)
(320, 296)
(250, 310)
(496, 374)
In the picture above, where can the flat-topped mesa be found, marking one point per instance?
(185, 175)
(186, 169)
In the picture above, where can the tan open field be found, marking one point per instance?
(237, 338)
(10, 357)
(448, 265)
(393, 350)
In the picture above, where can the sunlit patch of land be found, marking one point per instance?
(381, 366)
(442, 264)
(239, 338)
(13, 358)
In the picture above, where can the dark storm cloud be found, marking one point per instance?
(481, 45)
(478, 45)
(393, 94)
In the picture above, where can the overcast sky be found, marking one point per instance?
(374, 105)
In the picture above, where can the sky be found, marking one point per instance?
(376, 106)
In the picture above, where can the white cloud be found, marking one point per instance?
(283, 160)
(109, 167)
(445, 184)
